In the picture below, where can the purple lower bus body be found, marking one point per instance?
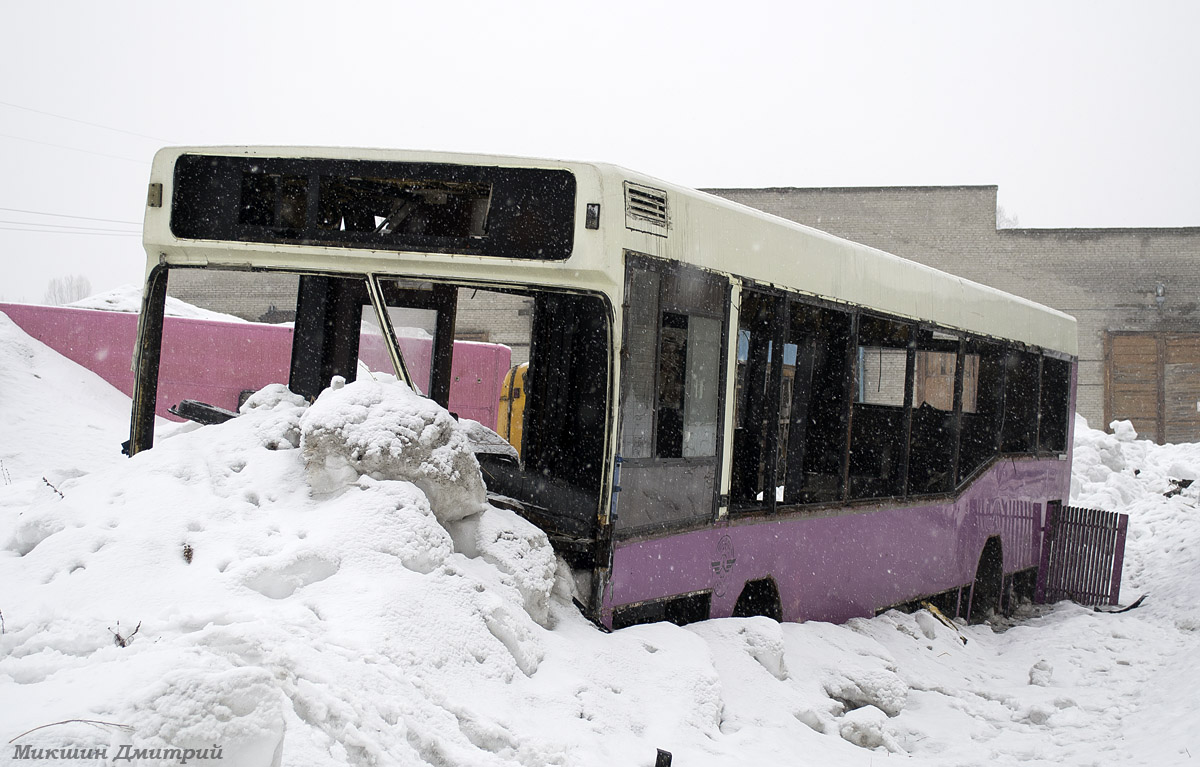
(836, 564)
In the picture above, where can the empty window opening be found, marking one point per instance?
(398, 206)
(814, 402)
(933, 437)
(1055, 410)
(760, 362)
(880, 420)
(562, 389)
(1022, 373)
(983, 408)
(426, 207)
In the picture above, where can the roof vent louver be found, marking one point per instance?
(646, 209)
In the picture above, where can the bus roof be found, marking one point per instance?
(721, 235)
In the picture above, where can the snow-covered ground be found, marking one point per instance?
(325, 585)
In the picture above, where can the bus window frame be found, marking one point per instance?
(148, 348)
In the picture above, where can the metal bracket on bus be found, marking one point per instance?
(616, 489)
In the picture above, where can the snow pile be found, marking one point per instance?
(56, 417)
(325, 585)
(250, 605)
(386, 431)
(128, 299)
(1156, 485)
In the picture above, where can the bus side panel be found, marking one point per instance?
(852, 563)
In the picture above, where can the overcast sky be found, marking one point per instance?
(1083, 113)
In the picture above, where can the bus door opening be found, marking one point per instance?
(533, 367)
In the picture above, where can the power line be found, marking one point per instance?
(68, 231)
(68, 226)
(64, 215)
(73, 149)
(85, 122)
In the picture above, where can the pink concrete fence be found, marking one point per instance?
(215, 362)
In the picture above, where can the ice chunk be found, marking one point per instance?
(1041, 673)
(1123, 430)
(868, 727)
(386, 431)
(879, 688)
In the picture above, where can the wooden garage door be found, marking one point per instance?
(1132, 382)
(1181, 389)
(1153, 380)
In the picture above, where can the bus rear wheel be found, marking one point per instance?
(989, 582)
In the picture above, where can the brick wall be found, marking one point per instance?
(1105, 278)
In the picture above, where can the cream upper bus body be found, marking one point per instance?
(724, 236)
(701, 229)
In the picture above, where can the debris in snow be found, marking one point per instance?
(52, 487)
(1113, 611)
(931, 616)
(1177, 487)
(123, 640)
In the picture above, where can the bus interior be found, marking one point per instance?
(337, 325)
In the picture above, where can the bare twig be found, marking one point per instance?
(93, 722)
(4, 473)
(123, 641)
(52, 487)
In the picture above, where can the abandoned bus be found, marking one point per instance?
(721, 412)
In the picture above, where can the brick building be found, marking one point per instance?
(1135, 292)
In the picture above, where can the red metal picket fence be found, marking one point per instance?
(1083, 551)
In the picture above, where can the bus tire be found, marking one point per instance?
(989, 582)
(759, 597)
